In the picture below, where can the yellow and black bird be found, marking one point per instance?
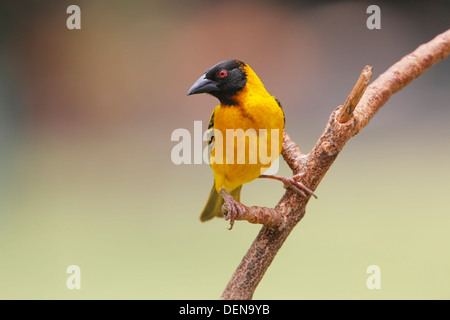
(246, 107)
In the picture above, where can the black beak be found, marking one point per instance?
(202, 85)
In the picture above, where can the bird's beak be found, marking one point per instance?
(202, 85)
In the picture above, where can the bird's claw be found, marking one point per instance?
(231, 209)
(293, 183)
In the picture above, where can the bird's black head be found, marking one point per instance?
(224, 80)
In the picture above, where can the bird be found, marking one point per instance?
(246, 107)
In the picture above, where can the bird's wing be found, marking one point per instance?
(211, 129)
(281, 107)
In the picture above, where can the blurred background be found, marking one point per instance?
(86, 177)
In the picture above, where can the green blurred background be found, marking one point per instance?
(86, 177)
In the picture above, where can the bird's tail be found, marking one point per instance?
(213, 207)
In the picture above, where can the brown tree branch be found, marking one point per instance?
(355, 95)
(344, 123)
(269, 217)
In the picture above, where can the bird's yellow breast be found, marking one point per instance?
(251, 135)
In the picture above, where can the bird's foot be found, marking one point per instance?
(293, 183)
(231, 209)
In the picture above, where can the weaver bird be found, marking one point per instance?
(246, 107)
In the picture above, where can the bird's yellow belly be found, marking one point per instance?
(245, 144)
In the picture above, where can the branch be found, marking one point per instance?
(355, 95)
(269, 217)
(345, 121)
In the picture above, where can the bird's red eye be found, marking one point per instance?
(222, 73)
